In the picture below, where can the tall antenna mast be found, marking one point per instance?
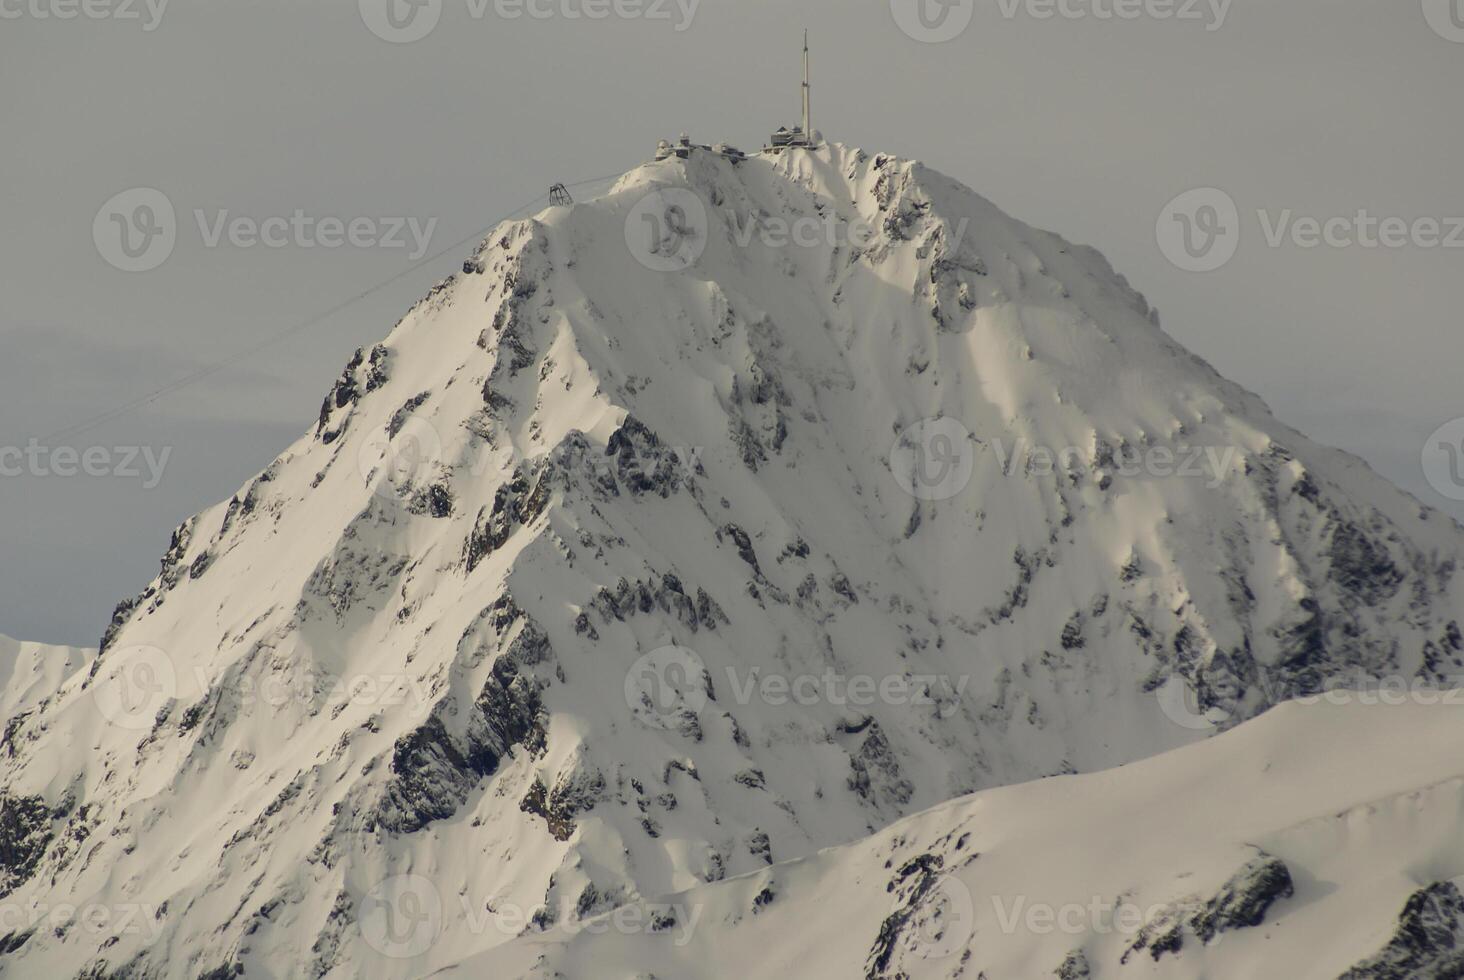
(807, 95)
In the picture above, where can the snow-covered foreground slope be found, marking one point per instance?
(691, 529)
(32, 672)
(1317, 840)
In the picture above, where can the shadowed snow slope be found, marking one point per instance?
(430, 639)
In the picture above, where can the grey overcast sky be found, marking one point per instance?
(1082, 123)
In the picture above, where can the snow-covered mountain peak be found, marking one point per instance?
(734, 514)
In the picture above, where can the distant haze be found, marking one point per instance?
(298, 112)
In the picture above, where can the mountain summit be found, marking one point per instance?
(741, 512)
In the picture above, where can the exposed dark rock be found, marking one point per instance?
(25, 833)
(1361, 566)
(876, 775)
(913, 884)
(518, 502)
(743, 542)
(642, 464)
(561, 825)
(1241, 903)
(435, 501)
(360, 376)
(1429, 942)
(120, 616)
(1072, 633)
(759, 845)
(434, 770)
(1074, 967)
(400, 416)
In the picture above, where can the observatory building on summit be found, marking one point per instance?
(800, 136)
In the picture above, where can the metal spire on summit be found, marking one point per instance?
(803, 135)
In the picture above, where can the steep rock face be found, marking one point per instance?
(594, 580)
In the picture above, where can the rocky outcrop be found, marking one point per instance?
(1429, 942)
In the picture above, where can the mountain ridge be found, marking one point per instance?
(511, 607)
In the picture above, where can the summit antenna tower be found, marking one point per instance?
(807, 95)
(799, 136)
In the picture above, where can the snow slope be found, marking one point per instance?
(31, 672)
(522, 612)
(1294, 843)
